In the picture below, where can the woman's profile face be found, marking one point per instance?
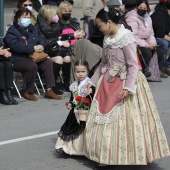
(103, 26)
(142, 6)
(24, 15)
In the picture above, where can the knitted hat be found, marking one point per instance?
(113, 3)
(163, 0)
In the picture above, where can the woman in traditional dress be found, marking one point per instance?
(123, 126)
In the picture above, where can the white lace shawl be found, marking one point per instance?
(122, 38)
(83, 84)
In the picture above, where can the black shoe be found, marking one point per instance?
(147, 74)
(105, 167)
(10, 97)
(60, 151)
(4, 99)
(58, 91)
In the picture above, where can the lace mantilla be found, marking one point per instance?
(122, 38)
(105, 118)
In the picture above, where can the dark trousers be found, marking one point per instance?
(147, 55)
(6, 74)
(30, 69)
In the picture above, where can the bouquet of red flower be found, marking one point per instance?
(82, 103)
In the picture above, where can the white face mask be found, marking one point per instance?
(29, 7)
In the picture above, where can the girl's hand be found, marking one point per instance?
(124, 93)
(88, 91)
(65, 44)
(68, 105)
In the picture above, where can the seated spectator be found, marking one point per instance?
(141, 24)
(58, 50)
(23, 39)
(70, 30)
(161, 26)
(29, 5)
(130, 4)
(6, 78)
(38, 3)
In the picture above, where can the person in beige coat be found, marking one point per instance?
(90, 9)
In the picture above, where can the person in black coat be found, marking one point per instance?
(6, 78)
(38, 3)
(130, 4)
(49, 29)
(23, 39)
(161, 26)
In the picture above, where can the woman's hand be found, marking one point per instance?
(65, 44)
(88, 91)
(124, 93)
(152, 47)
(5, 52)
(38, 48)
(79, 34)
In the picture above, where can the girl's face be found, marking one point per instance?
(81, 72)
(103, 26)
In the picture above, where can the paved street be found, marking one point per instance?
(28, 131)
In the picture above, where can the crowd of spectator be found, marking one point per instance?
(47, 26)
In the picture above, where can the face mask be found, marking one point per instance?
(29, 7)
(25, 22)
(55, 19)
(141, 12)
(66, 16)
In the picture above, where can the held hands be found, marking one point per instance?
(124, 93)
(88, 90)
(38, 48)
(68, 105)
(65, 44)
(5, 52)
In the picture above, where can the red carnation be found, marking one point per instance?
(78, 98)
(86, 100)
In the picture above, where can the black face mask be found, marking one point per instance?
(141, 12)
(66, 16)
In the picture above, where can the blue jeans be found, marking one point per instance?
(164, 44)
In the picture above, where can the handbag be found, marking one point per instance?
(38, 57)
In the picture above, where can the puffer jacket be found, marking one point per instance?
(141, 27)
(50, 33)
(161, 21)
(21, 42)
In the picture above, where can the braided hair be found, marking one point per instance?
(112, 14)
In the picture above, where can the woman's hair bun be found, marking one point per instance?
(114, 14)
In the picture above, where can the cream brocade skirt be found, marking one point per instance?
(130, 134)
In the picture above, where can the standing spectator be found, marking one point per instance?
(23, 39)
(141, 25)
(6, 78)
(161, 26)
(90, 9)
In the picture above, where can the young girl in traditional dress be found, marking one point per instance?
(123, 126)
(70, 137)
